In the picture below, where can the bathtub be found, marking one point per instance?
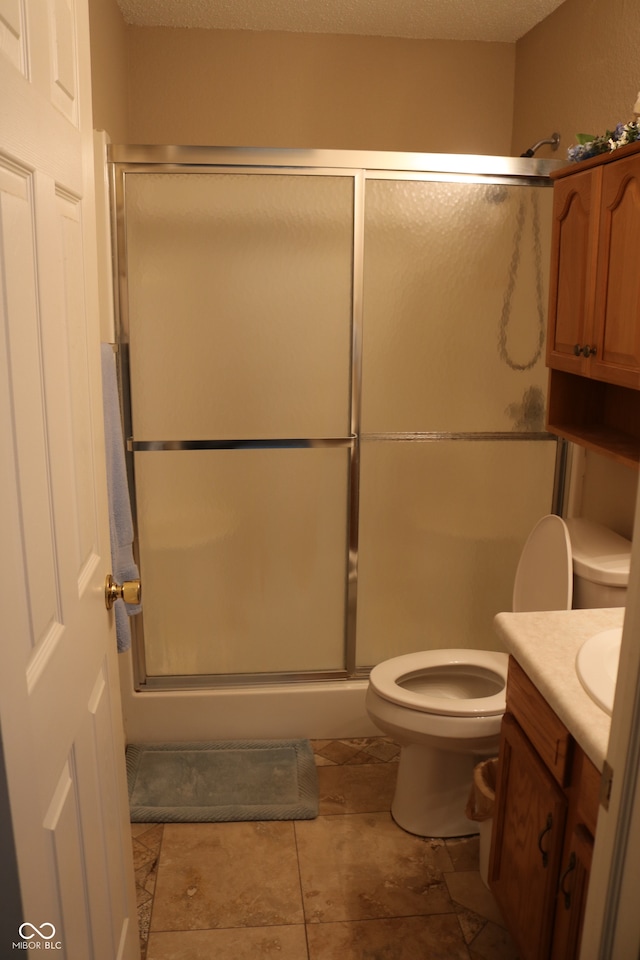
(320, 710)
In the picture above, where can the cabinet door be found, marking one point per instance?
(617, 313)
(572, 279)
(572, 895)
(527, 843)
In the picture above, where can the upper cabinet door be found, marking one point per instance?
(572, 280)
(617, 310)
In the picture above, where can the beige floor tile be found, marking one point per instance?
(146, 842)
(338, 751)
(467, 889)
(233, 892)
(144, 920)
(356, 788)
(356, 751)
(251, 943)
(323, 761)
(364, 866)
(143, 857)
(149, 834)
(464, 852)
(227, 875)
(470, 923)
(407, 938)
(384, 750)
(146, 882)
(492, 943)
(363, 757)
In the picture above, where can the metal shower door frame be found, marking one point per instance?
(360, 166)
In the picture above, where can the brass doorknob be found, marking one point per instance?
(129, 591)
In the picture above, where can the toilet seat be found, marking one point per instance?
(440, 670)
(544, 578)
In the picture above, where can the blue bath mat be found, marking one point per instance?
(222, 781)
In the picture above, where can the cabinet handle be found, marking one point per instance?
(567, 893)
(547, 827)
(577, 349)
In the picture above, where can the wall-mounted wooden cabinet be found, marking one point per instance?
(545, 819)
(593, 344)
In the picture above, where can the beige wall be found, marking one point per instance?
(609, 493)
(239, 88)
(109, 74)
(579, 72)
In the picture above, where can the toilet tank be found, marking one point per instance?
(601, 561)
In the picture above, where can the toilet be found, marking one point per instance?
(445, 707)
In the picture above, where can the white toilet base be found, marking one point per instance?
(432, 791)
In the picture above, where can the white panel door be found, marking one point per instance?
(59, 702)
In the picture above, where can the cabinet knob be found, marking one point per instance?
(585, 351)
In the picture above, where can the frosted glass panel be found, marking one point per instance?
(243, 559)
(239, 305)
(240, 302)
(455, 299)
(441, 529)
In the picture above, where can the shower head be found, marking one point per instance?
(553, 140)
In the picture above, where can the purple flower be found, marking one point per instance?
(577, 152)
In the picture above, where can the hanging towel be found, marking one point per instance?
(120, 520)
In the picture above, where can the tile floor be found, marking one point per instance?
(349, 885)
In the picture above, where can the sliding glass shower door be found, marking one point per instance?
(336, 389)
(456, 467)
(240, 302)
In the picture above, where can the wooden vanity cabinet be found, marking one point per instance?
(593, 344)
(544, 821)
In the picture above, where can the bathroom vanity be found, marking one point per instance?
(552, 751)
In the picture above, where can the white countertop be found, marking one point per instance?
(545, 645)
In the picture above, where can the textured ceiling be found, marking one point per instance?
(502, 20)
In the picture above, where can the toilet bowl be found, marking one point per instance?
(444, 707)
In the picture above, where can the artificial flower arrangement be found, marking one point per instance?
(590, 146)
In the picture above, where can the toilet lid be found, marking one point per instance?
(544, 578)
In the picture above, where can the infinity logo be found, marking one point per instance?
(37, 930)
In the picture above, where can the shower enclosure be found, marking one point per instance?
(334, 388)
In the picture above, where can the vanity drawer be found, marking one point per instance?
(546, 732)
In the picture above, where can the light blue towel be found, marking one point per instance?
(120, 520)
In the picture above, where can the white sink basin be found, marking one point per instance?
(597, 666)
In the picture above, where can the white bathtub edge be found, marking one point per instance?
(325, 710)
